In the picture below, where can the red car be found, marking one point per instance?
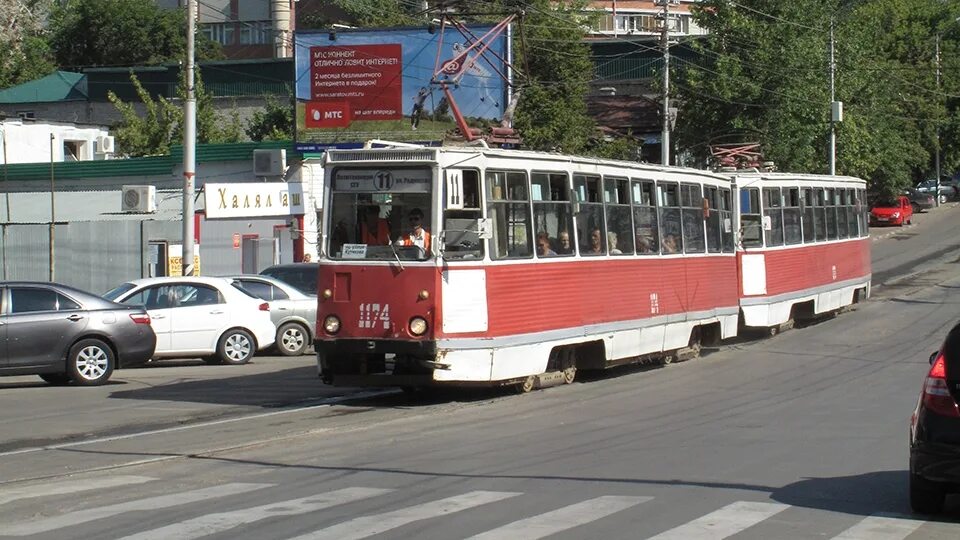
(892, 211)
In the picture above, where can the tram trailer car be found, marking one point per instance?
(804, 246)
(528, 266)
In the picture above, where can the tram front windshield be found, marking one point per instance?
(380, 214)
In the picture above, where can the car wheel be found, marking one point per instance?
(56, 379)
(236, 347)
(925, 497)
(292, 339)
(90, 362)
(916, 208)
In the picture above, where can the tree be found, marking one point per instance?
(22, 36)
(273, 123)
(120, 32)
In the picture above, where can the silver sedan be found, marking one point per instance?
(294, 313)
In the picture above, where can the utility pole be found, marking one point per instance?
(53, 207)
(833, 107)
(665, 43)
(936, 147)
(189, 145)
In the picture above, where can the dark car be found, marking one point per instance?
(68, 335)
(935, 431)
(919, 200)
(303, 276)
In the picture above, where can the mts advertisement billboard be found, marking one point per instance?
(357, 85)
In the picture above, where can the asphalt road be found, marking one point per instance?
(799, 436)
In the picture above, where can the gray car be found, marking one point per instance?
(293, 312)
(67, 335)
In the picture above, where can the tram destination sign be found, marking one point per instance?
(382, 181)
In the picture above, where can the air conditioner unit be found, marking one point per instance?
(105, 144)
(272, 162)
(141, 199)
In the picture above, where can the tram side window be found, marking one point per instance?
(616, 197)
(646, 235)
(671, 231)
(863, 216)
(726, 220)
(831, 205)
(840, 196)
(692, 201)
(591, 233)
(773, 210)
(714, 240)
(508, 207)
(552, 214)
(751, 222)
(461, 240)
(852, 213)
(792, 233)
(808, 220)
(819, 215)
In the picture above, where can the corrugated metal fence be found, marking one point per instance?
(93, 256)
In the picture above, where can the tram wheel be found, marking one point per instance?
(569, 374)
(527, 385)
(666, 359)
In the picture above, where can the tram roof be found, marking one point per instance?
(787, 177)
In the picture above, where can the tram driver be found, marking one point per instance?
(417, 235)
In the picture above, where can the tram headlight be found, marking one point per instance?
(331, 324)
(418, 326)
(327, 293)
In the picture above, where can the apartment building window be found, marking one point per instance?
(222, 33)
(255, 32)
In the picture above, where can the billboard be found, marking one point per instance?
(356, 85)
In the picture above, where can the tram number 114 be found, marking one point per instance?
(371, 315)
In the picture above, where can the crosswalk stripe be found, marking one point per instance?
(725, 522)
(881, 527)
(150, 503)
(69, 486)
(562, 519)
(224, 521)
(366, 526)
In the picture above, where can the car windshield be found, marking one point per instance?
(886, 202)
(304, 279)
(115, 293)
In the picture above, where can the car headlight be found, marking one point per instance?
(418, 326)
(895, 215)
(331, 324)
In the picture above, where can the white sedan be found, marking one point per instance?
(201, 316)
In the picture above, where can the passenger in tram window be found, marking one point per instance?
(670, 244)
(565, 244)
(543, 245)
(595, 245)
(644, 242)
(417, 236)
(612, 243)
(374, 230)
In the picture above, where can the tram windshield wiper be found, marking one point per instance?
(396, 256)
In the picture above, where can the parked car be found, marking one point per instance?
(948, 188)
(201, 316)
(891, 211)
(303, 276)
(919, 200)
(935, 430)
(293, 313)
(67, 335)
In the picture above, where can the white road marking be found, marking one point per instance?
(881, 527)
(64, 487)
(151, 503)
(224, 521)
(562, 519)
(363, 527)
(725, 522)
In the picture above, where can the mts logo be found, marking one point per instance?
(326, 114)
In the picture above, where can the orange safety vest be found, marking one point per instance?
(408, 239)
(382, 236)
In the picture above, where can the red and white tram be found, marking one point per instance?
(470, 265)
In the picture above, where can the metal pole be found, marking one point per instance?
(833, 99)
(6, 190)
(53, 207)
(665, 43)
(936, 146)
(189, 145)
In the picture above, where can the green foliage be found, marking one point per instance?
(23, 38)
(362, 13)
(765, 78)
(274, 123)
(120, 32)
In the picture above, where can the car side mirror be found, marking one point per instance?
(933, 357)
